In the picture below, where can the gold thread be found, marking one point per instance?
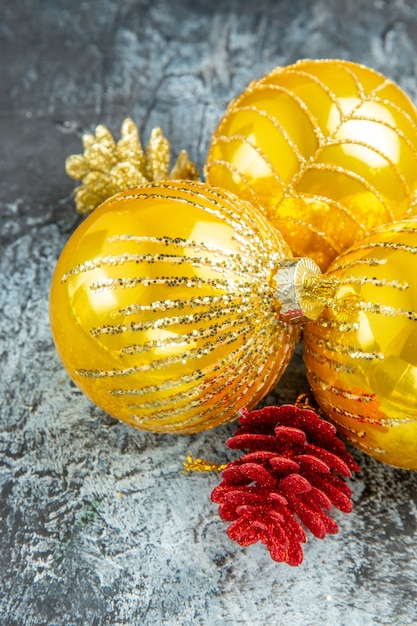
(192, 464)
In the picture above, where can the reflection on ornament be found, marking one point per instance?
(327, 149)
(361, 354)
(163, 307)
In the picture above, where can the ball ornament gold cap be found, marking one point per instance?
(301, 289)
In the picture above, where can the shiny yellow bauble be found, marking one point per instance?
(361, 355)
(163, 308)
(327, 149)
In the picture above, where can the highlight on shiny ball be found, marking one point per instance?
(163, 308)
(326, 148)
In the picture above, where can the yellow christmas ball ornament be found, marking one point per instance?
(326, 148)
(361, 354)
(164, 309)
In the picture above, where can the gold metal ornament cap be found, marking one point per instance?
(297, 300)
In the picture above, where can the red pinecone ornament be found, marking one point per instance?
(293, 468)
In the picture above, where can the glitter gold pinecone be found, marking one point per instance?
(107, 166)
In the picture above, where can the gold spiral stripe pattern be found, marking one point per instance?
(182, 329)
(360, 356)
(187, 281)
(319, 136)
(165, 305)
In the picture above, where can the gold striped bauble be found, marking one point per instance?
(361, 354)
(163, 308)
(326, 148)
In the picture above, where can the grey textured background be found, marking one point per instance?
(98, 524)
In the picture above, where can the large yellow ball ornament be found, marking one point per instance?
(163, 307)
(326, 148)
(361, 354)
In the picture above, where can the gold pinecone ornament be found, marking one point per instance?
(107, 166)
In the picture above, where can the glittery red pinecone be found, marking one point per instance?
(293, 469)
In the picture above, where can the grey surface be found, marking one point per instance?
(98, 524)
